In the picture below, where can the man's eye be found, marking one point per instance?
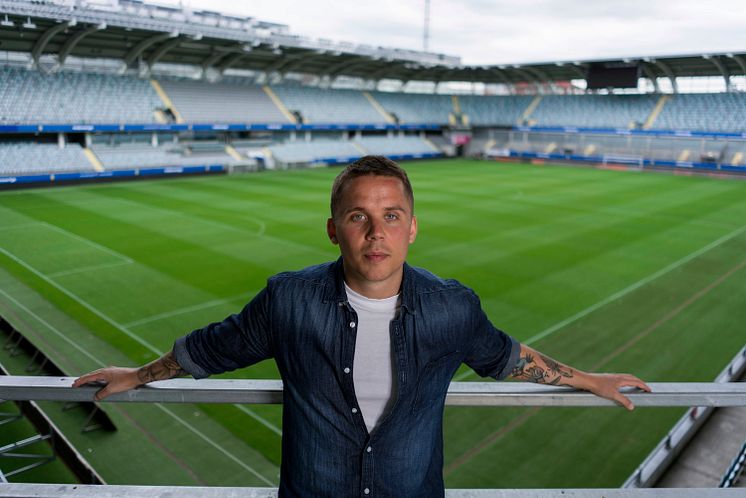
(358, 217)
(392, 216)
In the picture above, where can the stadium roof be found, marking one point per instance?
(139, 33)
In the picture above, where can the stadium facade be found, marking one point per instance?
(125, 88)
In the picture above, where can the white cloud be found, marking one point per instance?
(502, 31)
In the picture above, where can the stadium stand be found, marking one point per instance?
(225, 102)
(137, 155)
(594, 111)
(26, 158)
(300, 151)
(708, 112)
(318, 105)
(416, 108)
(396, 145)
(29, 96)
(330, 150)
(496, 111)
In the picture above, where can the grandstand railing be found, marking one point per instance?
(118, 491)
(664, 394)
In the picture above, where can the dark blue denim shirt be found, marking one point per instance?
(303, 320)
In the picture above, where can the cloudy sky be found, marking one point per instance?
(515, 31)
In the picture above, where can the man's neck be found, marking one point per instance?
(375, 290)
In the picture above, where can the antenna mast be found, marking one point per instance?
(426, 32)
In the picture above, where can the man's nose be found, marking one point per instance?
(375, 230)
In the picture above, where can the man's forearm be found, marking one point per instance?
(535, 367)
(165, 367)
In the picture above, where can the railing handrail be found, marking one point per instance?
(47, 388)
(119, 491)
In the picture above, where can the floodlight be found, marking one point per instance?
(7, 22)
(28, 24)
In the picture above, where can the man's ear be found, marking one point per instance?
(331, 231)
(413, 229)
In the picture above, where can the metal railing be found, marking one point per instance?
(21, 388)
(664, 394)
(91, 491)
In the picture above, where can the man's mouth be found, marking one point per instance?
(375, 257)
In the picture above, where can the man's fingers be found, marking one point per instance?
(96, 376)
(624, 401)
(632, 381)
(102, 393)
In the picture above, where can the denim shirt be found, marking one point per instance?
(303, 320)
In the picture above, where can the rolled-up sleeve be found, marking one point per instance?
(238, 341)
(493, 353)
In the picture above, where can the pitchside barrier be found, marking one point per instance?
(116, 174)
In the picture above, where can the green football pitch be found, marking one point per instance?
(604, 270)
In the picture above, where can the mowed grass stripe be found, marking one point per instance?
(97, 362)
(522, 419)
(692, 346)
(535, 242)
(151, 258)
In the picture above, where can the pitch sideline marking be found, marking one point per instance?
(676, 264)
(169, 412)
(124, 260)
(102, 266)
(117, 325)
(80, 301)
(84, 240)
(187, 309)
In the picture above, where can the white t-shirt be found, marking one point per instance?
(373, 366)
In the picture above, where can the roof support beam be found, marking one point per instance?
(162, 50)
(528, 77)
(338, 69)
(230, 62)
(741, 63)
(212, 59)
(42, 42)
(74, 40)
(540, 77)
(299, 61)
(283, 62)
(723, 70)
(669, 74)
(504, 79)
(141, 47)
(651, 75)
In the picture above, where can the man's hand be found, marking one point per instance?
(535, 367)
(608, 385)
(116, 380)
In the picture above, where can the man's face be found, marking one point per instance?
(373, 225)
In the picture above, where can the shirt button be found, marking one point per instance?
(368, 449)
(347, 370)
(352, 325)
(354, 410)
(366, 491)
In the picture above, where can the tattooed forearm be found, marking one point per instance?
(165, 367)
(535, 367)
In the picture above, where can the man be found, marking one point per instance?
(366, 347)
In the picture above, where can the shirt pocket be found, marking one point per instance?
(434, 380)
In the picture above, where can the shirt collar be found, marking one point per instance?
(334, 287)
